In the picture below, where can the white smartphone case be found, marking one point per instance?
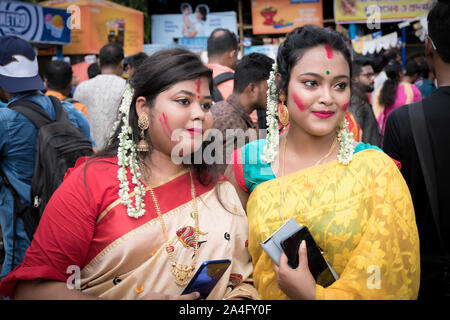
(272, 245)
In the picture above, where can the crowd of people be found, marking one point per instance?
(178, 176)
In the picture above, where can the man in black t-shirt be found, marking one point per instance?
(400, 145)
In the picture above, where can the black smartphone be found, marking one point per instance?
(319, 268)
(206, 277)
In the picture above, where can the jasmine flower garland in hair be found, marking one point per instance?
(126, 154)
(346, 142)
(127, 98)
(271, 118)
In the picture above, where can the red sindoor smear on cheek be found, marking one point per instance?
(345, 106)
(329, 52)
(298, 102)
(198, 83)
(165, 125)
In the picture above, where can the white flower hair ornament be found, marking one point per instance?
(273, 137)
(127, 158)
(345, 137)
(347, 144)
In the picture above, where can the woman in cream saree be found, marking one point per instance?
(131, 223)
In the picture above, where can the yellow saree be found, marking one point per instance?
(361, 215)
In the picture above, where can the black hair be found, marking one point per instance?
(438, 28)
(221, 41)
(135, 60)
(388, 56)
(58, 74)
(111, 55)
(358, 64)
(93, 70)
(377, 64)
(388, 92)
(301, 39)
(203, 12)
(412, 68)
(157, 73)
(424, 70)
(252, 68)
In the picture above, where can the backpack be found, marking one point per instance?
(216, 95)
(58, 145)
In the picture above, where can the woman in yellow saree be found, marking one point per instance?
(136, 222)
(351, 196)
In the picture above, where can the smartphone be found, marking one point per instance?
(320, 269)
(206, 277)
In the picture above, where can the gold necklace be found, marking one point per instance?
(181, 272)
(312, 190)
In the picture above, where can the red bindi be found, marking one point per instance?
(297, 101)
(329, 52)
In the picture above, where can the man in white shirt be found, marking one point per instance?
(102, 94)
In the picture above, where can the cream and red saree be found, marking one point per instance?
(125, 258)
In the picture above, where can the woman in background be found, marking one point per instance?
(394, 93)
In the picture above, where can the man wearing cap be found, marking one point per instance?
(20, 80)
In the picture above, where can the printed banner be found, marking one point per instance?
(190, 28)
(358, 42)
(360, 11)
(100, 22)
(269, 50)
(34, 23)
(282, 16)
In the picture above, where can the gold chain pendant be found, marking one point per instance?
(182, 273)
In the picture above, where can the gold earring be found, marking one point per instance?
(283, 112)
(143, 124)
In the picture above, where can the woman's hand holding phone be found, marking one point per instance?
(299, 283)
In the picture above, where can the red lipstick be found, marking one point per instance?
(194, 131)
(323, 114)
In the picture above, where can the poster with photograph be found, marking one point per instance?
(191, 25)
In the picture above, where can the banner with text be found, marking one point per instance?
(360, 11)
